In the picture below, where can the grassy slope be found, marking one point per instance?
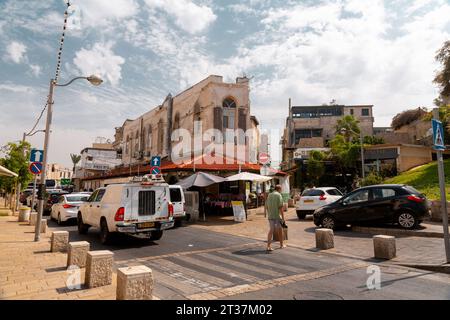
(425, 179)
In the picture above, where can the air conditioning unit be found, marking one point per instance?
(192, 204)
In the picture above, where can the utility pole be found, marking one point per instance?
(441, 173)
(41, 193)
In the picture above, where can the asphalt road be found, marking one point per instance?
(189, 261)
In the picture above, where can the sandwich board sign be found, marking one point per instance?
(438, 135)
(238, 211)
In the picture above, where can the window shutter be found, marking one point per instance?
(242, 120)
(218, 118)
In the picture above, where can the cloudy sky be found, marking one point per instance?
(355, 51)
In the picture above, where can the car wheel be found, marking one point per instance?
(82, 228)
(105, 235)
(407, 220)
(301, 215)
(328, 222)
(156, 235)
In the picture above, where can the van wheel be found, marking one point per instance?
(82, 228)
(105, 235)
(301, 215)
(156, 235)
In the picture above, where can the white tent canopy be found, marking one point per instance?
(200, 179)
(247, 176)
(6, 172)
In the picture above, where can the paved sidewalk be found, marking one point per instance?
(28, 270)
(410, 250)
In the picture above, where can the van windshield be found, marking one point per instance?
(50, 183)
(175, 195)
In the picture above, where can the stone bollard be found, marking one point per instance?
(24, 214)
(134, 283)
(44, 226)
(60, 240)
(77, 253)
(324, 239)
(33, 218)
(384, 247)
(99, 268)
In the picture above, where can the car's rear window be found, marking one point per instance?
(175, 195)
(334, 192)
(313, 193)
(412, 190)
(77, 198)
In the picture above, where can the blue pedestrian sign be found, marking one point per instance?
(155, 170)
(156, 161)
(36, 167)
(438, 135)
(36, 155)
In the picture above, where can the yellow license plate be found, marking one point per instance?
(308, 201)
(146, 225)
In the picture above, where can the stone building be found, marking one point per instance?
(57, 172)
(209, 104)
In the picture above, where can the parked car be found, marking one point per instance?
(312, 199)
(67, 206)
(24, 195)
(398, 204)
(51, 198)
(139, 207)
(177, 200)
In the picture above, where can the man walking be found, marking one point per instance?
(275, 215)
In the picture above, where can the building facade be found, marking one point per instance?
(57, 172)
(209, 104)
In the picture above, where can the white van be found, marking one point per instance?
(177, 200)
(139, 207)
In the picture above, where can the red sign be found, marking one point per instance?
(264, 158)
(36, 167)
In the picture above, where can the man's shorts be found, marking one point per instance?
(274, 224)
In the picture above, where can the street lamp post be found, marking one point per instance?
(94, 80)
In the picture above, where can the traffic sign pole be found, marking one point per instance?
(441, 173)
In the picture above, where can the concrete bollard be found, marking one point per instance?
(324, 239)
(77, 253)
(99, 268)
(384, 247)
(60, 240)
(24, 214)
(44, 226)
(33, 218)
(134, 283)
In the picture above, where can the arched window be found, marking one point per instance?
(176, 121)
(229, 113)
(160, 134)
(136, 142)
(144, 138)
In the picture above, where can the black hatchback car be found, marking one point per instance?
(399, 204)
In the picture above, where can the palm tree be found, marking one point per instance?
(75, 159)
(348, 126)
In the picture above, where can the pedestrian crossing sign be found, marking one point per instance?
(438, 135)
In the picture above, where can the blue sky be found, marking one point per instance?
(355, 51)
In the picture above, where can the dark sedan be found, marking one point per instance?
(398, 204)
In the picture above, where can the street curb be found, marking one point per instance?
(398, 232)
(443, 268)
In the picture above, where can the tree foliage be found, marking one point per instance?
(408, 116)
(373, 140)
(16, 160)
(316, 166)
(442, 78)
(348, 127)
(371, 179)
(75, 159)
(345, 152)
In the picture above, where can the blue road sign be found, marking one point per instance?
(36, 167)
(155, 170)
(438, 135)
(156, 161)
(36, 155)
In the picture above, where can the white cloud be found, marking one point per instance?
(15, 88)
(36, 70)
(100, 60)
(188, 16)
(16, 52)
(99, 13)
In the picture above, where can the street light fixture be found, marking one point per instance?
(94, 80)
